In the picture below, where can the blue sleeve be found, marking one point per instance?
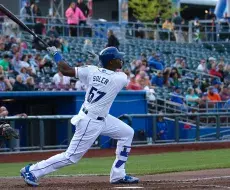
(153, 81)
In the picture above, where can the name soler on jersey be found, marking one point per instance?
(100, 79)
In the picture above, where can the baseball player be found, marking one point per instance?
(93, 119)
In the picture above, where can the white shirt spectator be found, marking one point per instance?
(59, 79)
(80, 86)
(202, 66)
(24, 64)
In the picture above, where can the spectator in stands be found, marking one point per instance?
(112, 40)
(26, 13)
(227, 106)
(167, 25)
(177, 21)
(3, 111)
(212, 96)
(88, 46)
(133, 85)
(221, 71)
(202, 66)
(227, 74)
(196, 86)
(216, 85)
(60, 80)
(74, 15)
(191, 98)
(18, 85)
(177, 64)
(157, 20)
(156, 62)
(39, 27)
(5, 62)
(64, 46)
(174, 79)
(213, 71)
(176, 96)
(158, 79)
(162, 127)
(181, 69)
(225, 93)
(16, 63)
(33, 64)
(5, 84)
(143, 79)
(15, 48)
(52, 32)
(36, 11)
(80, 86)
(54, 42)
(205, 103)
(24, 74)
(205, 85)
(30, 84)
(84, 8)
(166, 76)
(2, 47)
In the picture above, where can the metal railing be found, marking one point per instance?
(152, 137)
(14, 145)
(181, 33)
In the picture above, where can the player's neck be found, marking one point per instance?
(111, 69)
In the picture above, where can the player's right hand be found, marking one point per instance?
(52, 50)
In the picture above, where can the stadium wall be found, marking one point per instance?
(63, 103)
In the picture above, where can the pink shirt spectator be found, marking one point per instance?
(74, 16)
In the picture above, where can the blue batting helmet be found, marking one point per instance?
(108, 54)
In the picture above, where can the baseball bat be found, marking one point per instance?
(5, 11)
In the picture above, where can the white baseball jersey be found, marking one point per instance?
(102, 87)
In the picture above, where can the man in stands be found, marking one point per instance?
(18, 85)
(158, 79)
(225, 93)
(212, 95)
(112, 40)
(202, 66)
(5, 62)
(60, 80)
(133, 85)
(176, 97)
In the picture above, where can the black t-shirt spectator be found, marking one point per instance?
(177, 21)
(19, 87)
(84, 8)
(113, 41)
(38, 28)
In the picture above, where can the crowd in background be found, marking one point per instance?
(20, 71)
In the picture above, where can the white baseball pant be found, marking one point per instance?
(87, 131)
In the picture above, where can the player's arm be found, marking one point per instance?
(63, 67)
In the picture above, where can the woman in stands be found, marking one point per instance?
(74, 15)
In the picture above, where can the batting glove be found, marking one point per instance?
(53, 51)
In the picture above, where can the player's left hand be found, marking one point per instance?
(7, 132)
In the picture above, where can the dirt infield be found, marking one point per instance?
(205, 179)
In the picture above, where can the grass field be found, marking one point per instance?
(145, 164)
